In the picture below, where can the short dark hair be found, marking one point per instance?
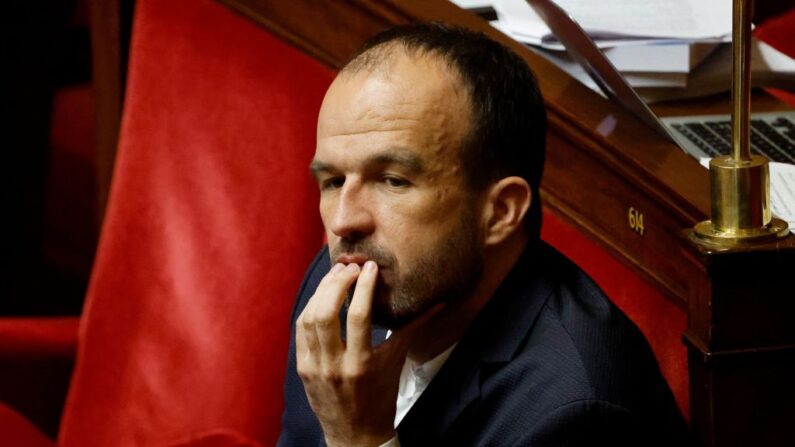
(508, 131)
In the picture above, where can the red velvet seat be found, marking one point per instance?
(210, 224)
(211, 221)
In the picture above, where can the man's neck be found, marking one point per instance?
(450, 324)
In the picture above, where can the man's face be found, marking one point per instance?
(391, 183)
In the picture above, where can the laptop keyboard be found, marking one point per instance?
(774, 138)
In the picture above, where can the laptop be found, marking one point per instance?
(704, 136)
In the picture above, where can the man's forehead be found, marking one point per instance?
(410, 85)
(407, 75)
(415, 103)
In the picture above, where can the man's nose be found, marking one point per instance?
(353, 217)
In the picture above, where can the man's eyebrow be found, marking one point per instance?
(317, 167)
(407, 160)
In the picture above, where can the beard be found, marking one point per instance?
(445, 272)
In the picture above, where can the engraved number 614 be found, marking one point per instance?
(636, 221)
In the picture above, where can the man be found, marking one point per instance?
(430, 146)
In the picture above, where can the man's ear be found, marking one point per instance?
(506, 205)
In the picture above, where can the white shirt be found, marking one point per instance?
(414, 379)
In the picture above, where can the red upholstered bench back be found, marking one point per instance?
(211, 222)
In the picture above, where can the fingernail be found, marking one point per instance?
(369, 266)
(352, 267)
(337, 268)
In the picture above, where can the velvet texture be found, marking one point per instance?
(211, 222)
(220, 438)
(17, 431)
(36, 359)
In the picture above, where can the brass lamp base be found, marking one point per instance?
(705, 233)
(740, 205)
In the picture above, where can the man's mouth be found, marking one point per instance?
(352, 258)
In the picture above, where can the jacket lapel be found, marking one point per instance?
(493, 340)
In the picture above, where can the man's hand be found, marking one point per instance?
(351, 386)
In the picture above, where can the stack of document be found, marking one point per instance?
(624, 22)
(665, 49)
(653, 43)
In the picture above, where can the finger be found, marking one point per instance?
(329, 298)
(359, 319)
(305, 324)
(303, 355)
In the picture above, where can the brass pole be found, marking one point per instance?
(740, 182)
(741, 79)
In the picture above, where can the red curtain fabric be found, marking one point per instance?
(211, 222)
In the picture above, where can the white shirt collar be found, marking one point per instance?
(414, 379)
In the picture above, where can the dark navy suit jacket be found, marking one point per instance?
(548, 362)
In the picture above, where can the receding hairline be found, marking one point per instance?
(378, 59)
(507, 134)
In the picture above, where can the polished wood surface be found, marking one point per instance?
(717, 104)
(741, 347)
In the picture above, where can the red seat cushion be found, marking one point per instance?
(211, 222)
(216, 438)
(18, 432)
(36, 360)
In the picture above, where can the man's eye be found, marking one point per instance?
(332, 183)
(395, 182)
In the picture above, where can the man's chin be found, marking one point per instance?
(386, 315)
(390, 321)
(393, 317)
(383, 316)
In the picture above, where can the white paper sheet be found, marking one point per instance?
(467, 4)
(667, 19)
(782, 192)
